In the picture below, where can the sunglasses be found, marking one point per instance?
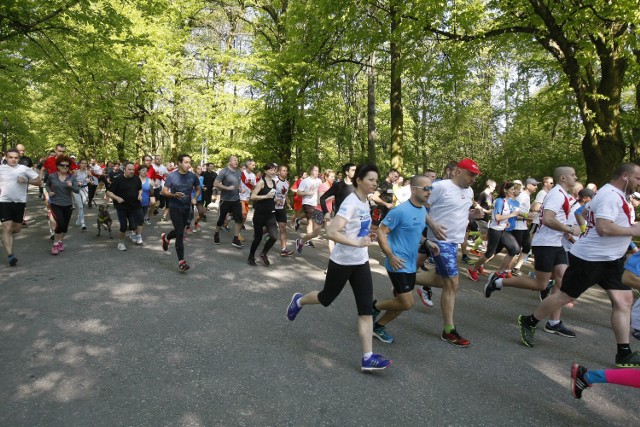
(63, 165)
(425, 188)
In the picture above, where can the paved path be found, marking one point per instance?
(98, 337)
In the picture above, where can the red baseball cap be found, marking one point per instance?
(470, 165)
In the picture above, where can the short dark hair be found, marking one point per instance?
(182, 156)
(503, 189)
(145, 157)
(362, 171)
(627, 168)
(346, 167)
(13, 150)
(63, 158)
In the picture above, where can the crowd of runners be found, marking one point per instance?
(578, 236)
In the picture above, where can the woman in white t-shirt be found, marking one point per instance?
(349, 260)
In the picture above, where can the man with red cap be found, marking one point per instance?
(449, 214)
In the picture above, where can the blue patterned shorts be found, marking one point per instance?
(447, 261)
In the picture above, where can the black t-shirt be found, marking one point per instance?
(26, 161)
(386, 192)
(486, 202)
(209, 177)
(340, 190)
(128, 189)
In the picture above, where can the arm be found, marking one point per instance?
(256, 190)
(549, 220)
(323, 198)
(397, 263)
(378, 201)
(334, 233)
(606, 227)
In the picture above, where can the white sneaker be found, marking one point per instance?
(139, 240)
(121, 246)
(132, 237)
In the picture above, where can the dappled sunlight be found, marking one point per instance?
(58, 386)
(91, 326)
(190, 420)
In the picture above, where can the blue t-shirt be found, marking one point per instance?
(146, 192)
(513, 204)
(633, 264)
(406, 223)
(193, 193)
(181, 183)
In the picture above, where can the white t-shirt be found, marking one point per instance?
(358, 216)
(310, 184)
(162, 172)
(500, 207)
(282, 188)
(539, 199)
(525, 206)
(609, 203)
(450, 208)
(10, 189)
(247, 184)
(559, 202)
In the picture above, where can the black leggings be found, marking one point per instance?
(92, 192)
(259, 222)
(62, 215)
(499, 239)
(179, 218)
(524, 240)
(359, 276)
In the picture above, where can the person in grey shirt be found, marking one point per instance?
(60, 186)
(228, 182)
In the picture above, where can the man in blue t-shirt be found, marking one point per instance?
(399, 236)
(178, 192)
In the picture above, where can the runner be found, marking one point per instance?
(60, 186)
(383, 198)
(399, 237)
(550, 256)
(281, 202)
(177, 191)
(248, 181)
(264, 215)
(14, 183)
(126, 193)
(228, 182)
(350, 261)
(521, 231)
(449, 212)
(582, 378)
(598, 257)
(308, 190)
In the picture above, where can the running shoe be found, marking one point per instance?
(147, 221)
(380, 333)
(491, 285)
(454, 338)
(60, 246)
(293, 309)
(84, 227)
(189, 230)
(12, 260)
(183, 266)
(139, 240)
(299, 245)
(631, 360)
(251, 261)
(163, 219)
(425, 294)
(527, 332)
(578, 383)
(54, 249)
(374, 312)
(475, 252)
(481, 271)
(473, 274)
(295, 227)
(286, 252)
(236, 243)
(545, 293)
(310, 244)
(516, 272)
(121, 246)
(431, 261)
(559, 329)
(466, 259)
(165, 242)
(197, 227)
(216, 238)
(264, 258)
(376, 362)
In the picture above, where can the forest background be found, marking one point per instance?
(519, 85)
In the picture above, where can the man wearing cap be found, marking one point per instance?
(524, 198)
(598, 257)
(550, 256)
(449, 205)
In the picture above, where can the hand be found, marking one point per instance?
(22, 179)
(397, 263)
(435, 249)
(575, 231)
(140, 197)
(69, 183)
(365, 241)
(231, 188)
(120, 200)
(179, 194)
(194, 201)
(440, 231)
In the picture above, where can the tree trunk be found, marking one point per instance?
(396, 92)
(371, 110)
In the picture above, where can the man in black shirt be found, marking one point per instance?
(126, 192)
(383, 198)
(209, 176)
(340, 190)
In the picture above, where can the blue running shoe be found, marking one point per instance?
(12, 260)
(374, 312)
(380, 333)
(376, 362)
(293, 309)
(299, 245)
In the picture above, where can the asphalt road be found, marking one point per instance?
(98, 337)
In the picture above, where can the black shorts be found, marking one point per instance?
(234, 207)
(12, 211)
(581, 275)
(547, 257)
(402, 282)
(129, 219)
(281, 215)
